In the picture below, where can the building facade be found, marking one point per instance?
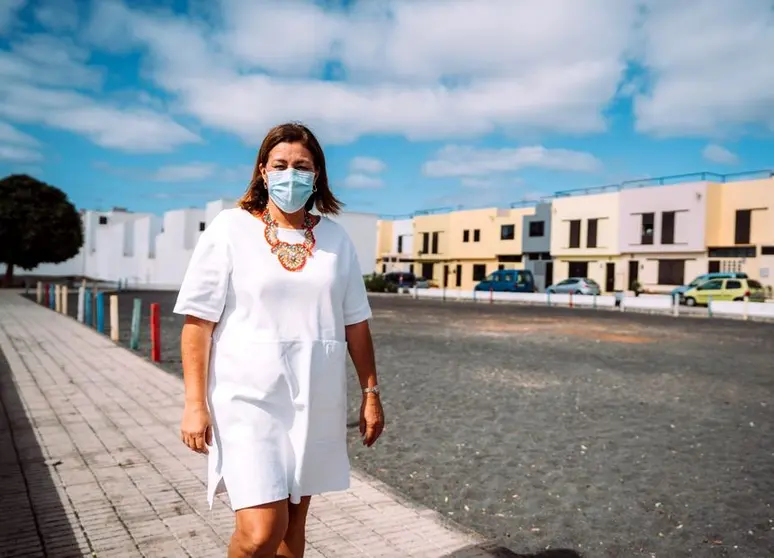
(395, 240)
(536, 245)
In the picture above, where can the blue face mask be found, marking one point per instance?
(290, 189)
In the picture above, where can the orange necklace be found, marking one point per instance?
(291, 256)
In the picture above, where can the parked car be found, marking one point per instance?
(706, 277)
(508, 280)
(725, 289)
(400, 278)
(576, 285)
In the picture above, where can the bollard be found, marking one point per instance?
(81, 299)
(99, 302)
(26, 287)
(65, 301)
(93, 317)
(155, 332)
(51, 297)
(548, 298)
(87, 304)
(491, 295)
(709, 306)
(622, 305)
(57, 298)
(676, 305)
(114, 318)
(39, 293)
(594, 302)
(134, 342)
(746, 307)
(459, 294)
(416, 293)
(571, 306)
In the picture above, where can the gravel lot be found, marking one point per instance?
(613, 435)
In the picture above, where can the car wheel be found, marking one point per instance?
(690, 301)
(578, 292)
(739, 299)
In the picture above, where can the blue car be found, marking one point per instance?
(508, 281)
(704, 278)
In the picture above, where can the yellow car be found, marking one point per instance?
(725, 289)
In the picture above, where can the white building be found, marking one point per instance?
(151, 252)
(400, 252)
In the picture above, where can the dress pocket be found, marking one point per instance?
(252, 370)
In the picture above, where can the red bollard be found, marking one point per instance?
(491, 295)
(155, 332)
(47, 295)
(570, 300)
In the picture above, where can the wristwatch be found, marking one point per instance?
(375, 390)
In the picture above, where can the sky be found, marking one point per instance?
(154, 105)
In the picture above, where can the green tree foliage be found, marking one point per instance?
(38, 224)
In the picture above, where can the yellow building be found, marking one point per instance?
(585, 237)
(740, 228)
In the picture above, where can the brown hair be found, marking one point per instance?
(256, 197)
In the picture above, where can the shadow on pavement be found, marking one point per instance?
(30, 504)
(501, 552)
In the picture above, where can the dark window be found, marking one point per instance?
(425, 243)
(411, 268)
(500, 267)
(435, 243)
(575, 227)
(753, 284)
(668, 227)
(466, 236)
(202, 226)
(103, 220)
(714, 266)
(384, 268)
(634, 273)
(476, 235)
(400, 244)
(458, 278)
(731, 252)
(537, 228)
(427, 271)
(733, 284)
(591, 234)
(671, 272)
(742, 230)
(479, 272)
(510, 258)
(646, 234)
(767, 250)
(507, 232)
(578, 269)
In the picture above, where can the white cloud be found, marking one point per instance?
(191, 172)
(16, 154)
(363, 181)
(719, 154)
(367, 165)
(473, 163)
(9, 134)
(710, 67)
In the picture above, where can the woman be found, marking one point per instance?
(274, 299)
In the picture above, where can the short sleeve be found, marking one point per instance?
(205, 284)
(356, 306)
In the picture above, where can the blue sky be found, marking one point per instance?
(156, 105)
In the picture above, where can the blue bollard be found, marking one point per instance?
(100, 302)
(52, 296)
(134, 342)
(87, 307)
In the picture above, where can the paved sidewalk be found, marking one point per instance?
(91, 463)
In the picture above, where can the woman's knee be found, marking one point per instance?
(260, 530)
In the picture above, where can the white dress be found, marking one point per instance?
(277, 375)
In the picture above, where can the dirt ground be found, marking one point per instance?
(609, 434)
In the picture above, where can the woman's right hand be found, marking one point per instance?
(196, 427)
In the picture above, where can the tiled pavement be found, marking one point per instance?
(91, 463)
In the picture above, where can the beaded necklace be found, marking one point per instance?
(291, 256)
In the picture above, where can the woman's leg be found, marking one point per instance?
(293, 543)
(259, 531)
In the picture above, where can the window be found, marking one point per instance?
(103, 220)
(500, 267)
(476, 235)
(671, 272)
(425, 243)
(714, 285)
(537, 228)
(507, 232)
(646, 233)
(435, 243)
(400, 244)
(742, 230)
(668, 227)
(427, 271)
(384, 268)
(714, 266)
(591, 234)
(767, 250)
(575, 233)
(733, 284)
(458, 274)
(753, 284)
(202, 226)
(411, 268)
(479, 272)
(466, 236)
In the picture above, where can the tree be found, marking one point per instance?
(38, 224)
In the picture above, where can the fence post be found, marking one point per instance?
(81, 297)
(51, 297)
(134, 342)
(459, 293)
(548, 298)
(571, 299)
(491, 295)
(100, 303)
(65, 300)
(416, 293)
(594, 302)
(57, 298)
(87, 304)
(746, 307)
(155, 332)
(443, 294)
(39, 293)
(676, 305)
(114, 318)
(709, 306)
(622, 306)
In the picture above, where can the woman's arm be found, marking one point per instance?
(195, 341)
(361, 350)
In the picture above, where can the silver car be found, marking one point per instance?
(576, 285)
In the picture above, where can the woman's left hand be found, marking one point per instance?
(371, 419)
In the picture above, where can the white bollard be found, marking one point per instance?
(65, 295)
(746, 307)
(459, 294)
(39, 293)
(81, 302)
(676, 305)
(114, 318)
(416, 294)
(57, 298)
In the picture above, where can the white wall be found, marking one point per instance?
(150, 251)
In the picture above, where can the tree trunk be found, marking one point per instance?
(8, 275)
